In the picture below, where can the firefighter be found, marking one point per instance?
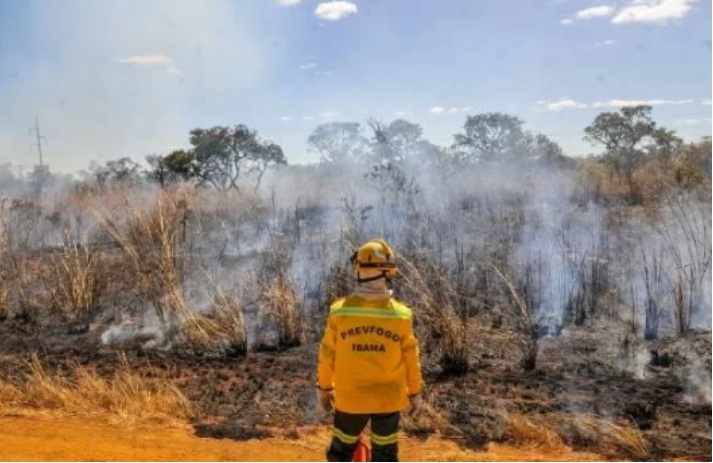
(369, 367)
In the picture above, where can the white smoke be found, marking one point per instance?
(144, 328)
(639, 361)
(698, 382)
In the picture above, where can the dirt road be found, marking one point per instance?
(50, 439)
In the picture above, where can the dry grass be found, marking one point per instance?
(280, 311)
(223, 330)
(431, 295)
(5, 274)
(603, 435)
(429, 421)
(124, 399)
(525, 432)
(4, 294)
(151, 239)
(280, 306)
(524, 321)
(73, 280)
(19, 291)
(584, 431)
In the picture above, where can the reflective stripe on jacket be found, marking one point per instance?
(369, 355)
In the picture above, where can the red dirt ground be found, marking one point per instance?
(72, 439)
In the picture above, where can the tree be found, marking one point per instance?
(392, 183)
(624, 136)
(338, 142)
(397, 141)
(488, 136)
(545, 151)
(223, 154)
(123, 170)
(693, 163)
(179, 165)
(665, 144)
(270, 155)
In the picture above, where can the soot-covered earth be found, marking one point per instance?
(657, 387)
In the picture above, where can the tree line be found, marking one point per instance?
(225, 157)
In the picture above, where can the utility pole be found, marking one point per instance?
(39, 140)
(38, 137)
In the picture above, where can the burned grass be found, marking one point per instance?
(579, 401)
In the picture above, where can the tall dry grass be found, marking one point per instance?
(432, 296)
(223, 330)
(18, 272)
(123, 399)
(280, 307)
(6, 282)
(525, 321)
(73, 279)
(151, 240)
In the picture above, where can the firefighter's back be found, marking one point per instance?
(369, 369)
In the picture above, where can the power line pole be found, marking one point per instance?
(38, 137)
(39, 140)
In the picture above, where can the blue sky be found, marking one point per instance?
(129, 78)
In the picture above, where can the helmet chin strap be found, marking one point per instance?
(383, 275)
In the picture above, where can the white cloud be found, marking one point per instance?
(329, 115)
(567, 22)
(561, 104)
(565, 104)
(604, 43)
(175, 71)
(324, 73)
(653, 11)
(288, 2)
(335, 10)
(595, 12)
(402, 113)
(285, 118)
(568, 103)
(691, 121)
(706, 102)
(452, 110)
(622, 103)
(147, 60)
(308, 65)
(307, 118)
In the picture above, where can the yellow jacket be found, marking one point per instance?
(369, 355)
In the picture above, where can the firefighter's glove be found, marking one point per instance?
(416, 403)
(326, 399)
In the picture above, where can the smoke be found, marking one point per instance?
(698, 382)
(571, 260)
(556, 245)
(638, 363)
(145, 328)
(570, 255)
(664, 264)
(123, 76)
